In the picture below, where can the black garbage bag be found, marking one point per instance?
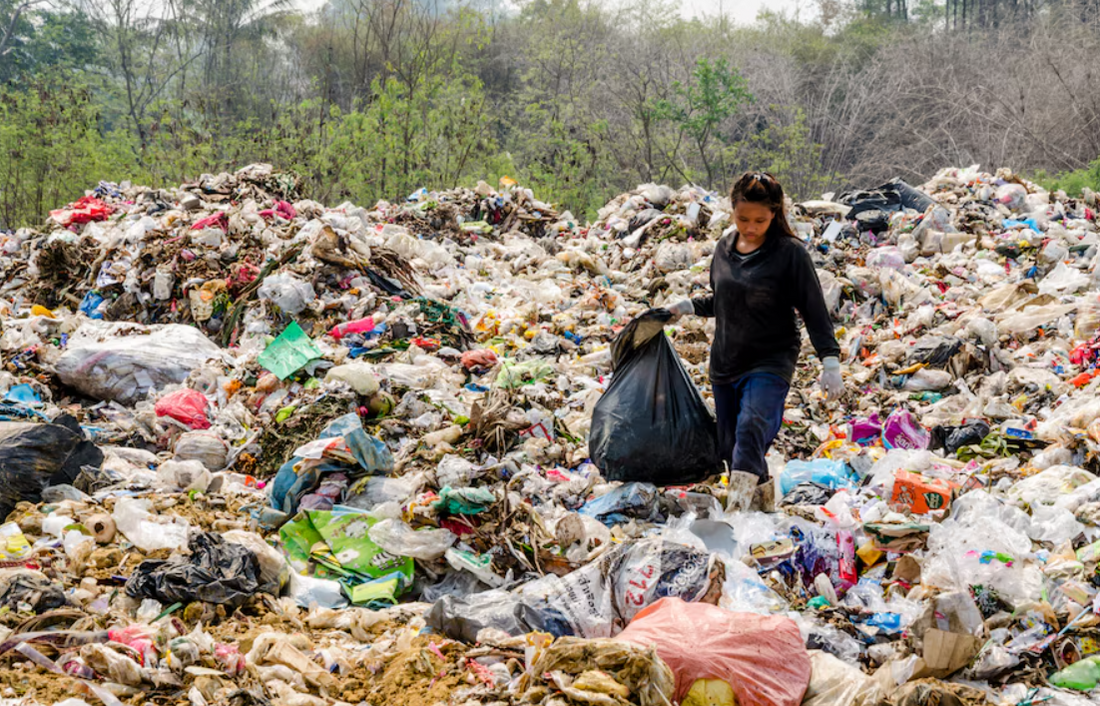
(34, 456)
(651, 424)
(892, 196)
(217, 571)
(953, 438)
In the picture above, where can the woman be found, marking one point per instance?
(759, 276)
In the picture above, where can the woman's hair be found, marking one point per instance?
(764, 189)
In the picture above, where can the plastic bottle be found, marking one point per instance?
(1083, 675)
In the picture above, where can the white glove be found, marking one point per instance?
(681, 308)
(831, 381)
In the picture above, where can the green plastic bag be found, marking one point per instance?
(464, 501)
(289, 353)
(338, 539)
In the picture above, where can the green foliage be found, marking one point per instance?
(785, 149)
(1074, 181)
(715, 93)
(51, 147)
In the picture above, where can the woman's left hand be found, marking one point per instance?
(831, 381)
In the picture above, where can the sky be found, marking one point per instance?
(738, 11)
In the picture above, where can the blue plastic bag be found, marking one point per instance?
(823, 471)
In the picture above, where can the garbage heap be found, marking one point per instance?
(255, 450)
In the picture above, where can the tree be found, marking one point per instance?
(715, 93)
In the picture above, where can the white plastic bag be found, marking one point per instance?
(205, 447)
(123, 363)
(834, 683)
(1063, 279)
(274, 569)
(146, 531)
(287, 292)
(400, 539)
(177, 476)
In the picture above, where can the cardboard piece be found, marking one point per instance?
(906, 569)
(945, 652)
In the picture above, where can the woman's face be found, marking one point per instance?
(752, 221)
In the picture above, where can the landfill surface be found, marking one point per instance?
(259, 450)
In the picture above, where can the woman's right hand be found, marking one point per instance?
(681, 308)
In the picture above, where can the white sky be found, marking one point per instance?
(738, 11)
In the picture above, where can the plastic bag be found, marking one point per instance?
(671, 257)
(274, 570)
(652, 424)
(129, 364)
(1047, 487)
(182, 476)
(1013, 196)
(834, 683)
(744, 591)
(590, 671)
(901, 430)
(216, 571)
(761, 657)
(35, 456)
(981, 550)
(597, 600)
(886, 257)
(1063, 279)
(309, 592)
(399, 539)
(133, 519)
(629, 500)
(291, 351)
(831, 474)
(203, 446)
(287, 292)
(186, 406)
(357, 375)
(463, 617)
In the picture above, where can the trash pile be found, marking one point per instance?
(256, 450)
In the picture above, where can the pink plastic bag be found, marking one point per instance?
(902, 431)
(866, 432)
(217, 220)
(186, 406)
(761, 656)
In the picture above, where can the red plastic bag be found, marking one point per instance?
(479, 359)
(282, 209)
(186, 406)
(761, 656)
(83, 210)
(217, 220)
